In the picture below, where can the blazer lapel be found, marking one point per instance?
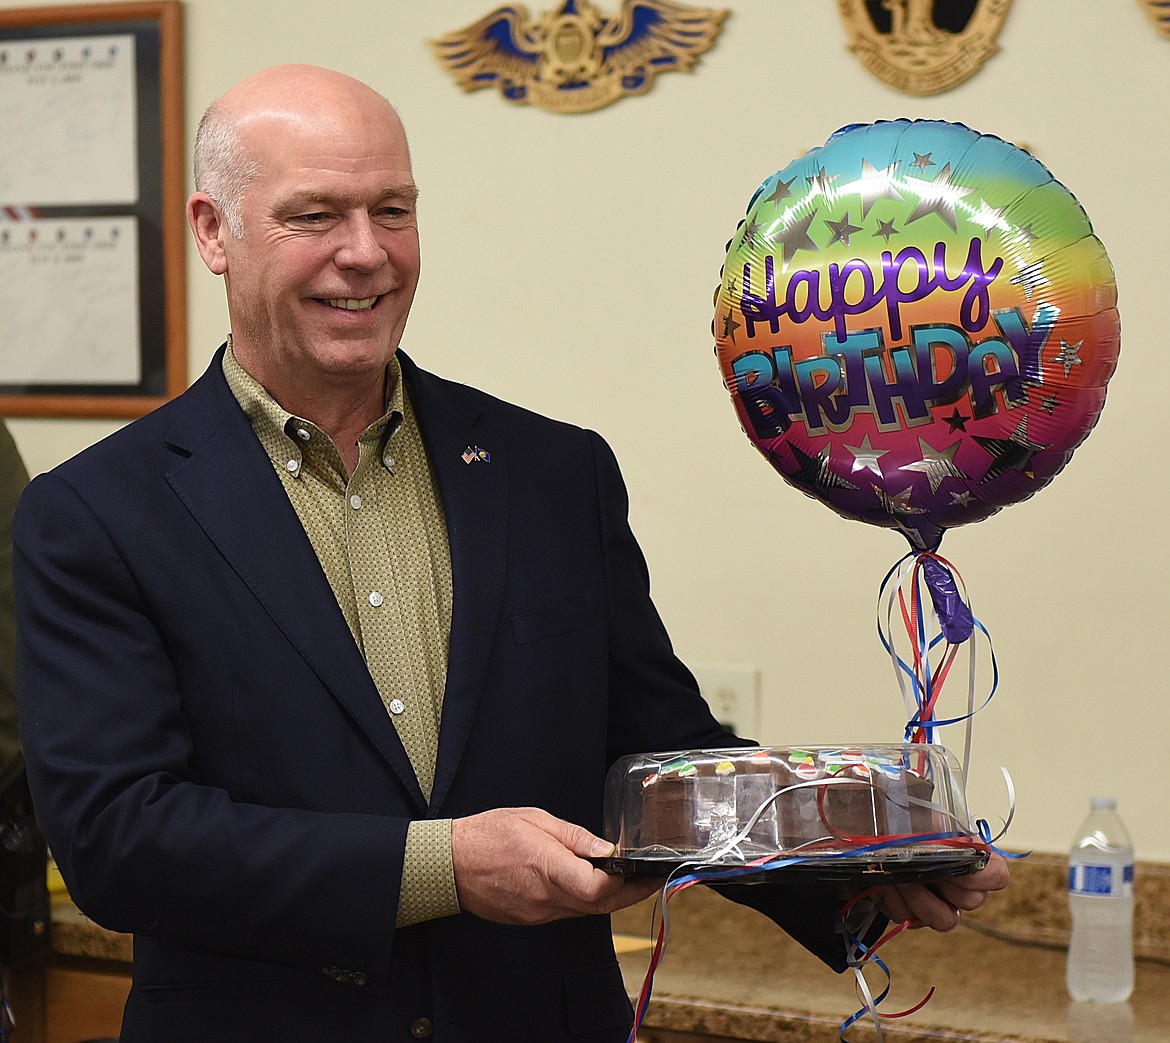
(221, 468)
(474, 497)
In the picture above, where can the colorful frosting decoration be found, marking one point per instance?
(679, 766)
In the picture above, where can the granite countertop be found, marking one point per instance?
(999, 978)
(730, 972)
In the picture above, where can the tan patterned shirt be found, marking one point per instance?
(381, 538)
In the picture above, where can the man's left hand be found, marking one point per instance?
(938, 904)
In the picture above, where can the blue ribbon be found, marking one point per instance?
(923, 689)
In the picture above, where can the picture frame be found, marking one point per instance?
(92, 229)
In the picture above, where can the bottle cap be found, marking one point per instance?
(1103, 803)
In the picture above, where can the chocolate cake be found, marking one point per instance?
(739, 804)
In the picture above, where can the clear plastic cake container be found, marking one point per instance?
(835, 811)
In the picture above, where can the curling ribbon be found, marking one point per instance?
(858, 955)
(688, 876)
(934, 641)
(935, 638)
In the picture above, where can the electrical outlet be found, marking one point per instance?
(733, 693)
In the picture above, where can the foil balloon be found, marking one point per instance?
(916, 325)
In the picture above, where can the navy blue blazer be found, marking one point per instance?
(215, 771)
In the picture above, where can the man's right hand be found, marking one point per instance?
(525, 866)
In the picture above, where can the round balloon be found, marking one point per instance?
(916, 325)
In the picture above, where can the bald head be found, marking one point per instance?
(306, 205)
(299, 97)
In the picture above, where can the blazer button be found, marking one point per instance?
(422, 1028)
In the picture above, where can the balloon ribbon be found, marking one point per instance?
(858, 954)
(934, 637)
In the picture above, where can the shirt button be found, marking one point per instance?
(293, 466)
(355, 502)
(397, 706)
(422, 1028)
(303, 435)
(376, 599)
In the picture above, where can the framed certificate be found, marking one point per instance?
(92, 280)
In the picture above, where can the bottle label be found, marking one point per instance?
(1100, 880)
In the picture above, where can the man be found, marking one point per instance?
(322, 663)
(13, 479)
(24, 894)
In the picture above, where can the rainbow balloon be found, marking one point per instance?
(917, 325)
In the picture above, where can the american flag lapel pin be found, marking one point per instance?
(473, 453)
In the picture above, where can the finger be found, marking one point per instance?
(955, 894)
(918, 903)
(969, 892)
(931, 909)
(630, 893)
(892, 903)
(576, 838)
(578, 884)
(575, 885)
(994, 876)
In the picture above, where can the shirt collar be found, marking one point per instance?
(276, 427)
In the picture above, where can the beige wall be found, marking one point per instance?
(570, 264)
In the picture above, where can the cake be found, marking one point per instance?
(734, 805)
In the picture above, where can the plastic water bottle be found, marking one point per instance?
(1100, 898)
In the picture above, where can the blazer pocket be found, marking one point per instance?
(204, 991)
(555, 621)
(595, 1000)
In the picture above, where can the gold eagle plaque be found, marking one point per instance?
(920, 46)
(573, 58)
(1159, 12)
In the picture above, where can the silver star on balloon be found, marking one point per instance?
(816, 472)
(1031, 278)
(939, 196)
(875, 184)
(990, 218)
(1069, 355)
(821, 184)
(1023, 235)
(1013, 453)
(842, 230)
(752, 233)
(962, 499)
(730, 326)
(898, 503)
(794, 235)
(923, 161)
(782, 190)
(936, 464)
(865, 457)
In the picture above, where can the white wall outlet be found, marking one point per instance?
(733, 693)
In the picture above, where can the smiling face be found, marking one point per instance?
(321, 280)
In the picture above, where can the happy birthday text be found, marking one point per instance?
(854, 289)
(859, 374)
